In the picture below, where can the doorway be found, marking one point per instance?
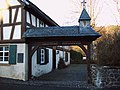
(54, 60)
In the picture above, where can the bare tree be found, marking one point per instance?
(92, 6)
(94, 10)
(117, 2)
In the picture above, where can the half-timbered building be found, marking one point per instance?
(18, 58)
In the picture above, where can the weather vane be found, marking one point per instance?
(84, 2)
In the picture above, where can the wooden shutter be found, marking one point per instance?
(66, 57)
(46, 56)
(39, 56)
(12, 54)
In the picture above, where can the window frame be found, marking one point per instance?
(66, 56)
(12, 49)
(42, 54)
(45, 55)
(3, 56)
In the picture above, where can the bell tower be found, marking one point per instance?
(84, 19)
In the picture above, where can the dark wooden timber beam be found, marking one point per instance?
(88, 63)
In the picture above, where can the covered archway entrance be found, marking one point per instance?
(34, 42)
(62, 36)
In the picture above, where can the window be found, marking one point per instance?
(41, 24)
(20, 57)
(37, 22)
(43, 56)
(4, 54)
(33, 20)
(8, 54)
(84, 23)
(66, 57)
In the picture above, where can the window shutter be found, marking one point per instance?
(66, 57)
(46, 56)
(39, 56)
(12, 56)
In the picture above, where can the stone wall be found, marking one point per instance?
(105, 76)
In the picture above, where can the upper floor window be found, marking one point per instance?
(84, 23)
(41, 24)
(4, 54)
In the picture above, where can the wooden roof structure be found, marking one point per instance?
(61, 36)
(56, 33)
(71, 34)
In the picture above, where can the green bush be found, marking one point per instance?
(108, 48)
(76, 57)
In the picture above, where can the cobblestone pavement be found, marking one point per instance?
(73, 77)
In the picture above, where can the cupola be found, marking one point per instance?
(84, 19)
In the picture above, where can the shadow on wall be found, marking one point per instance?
(61, 64)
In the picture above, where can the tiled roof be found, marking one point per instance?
(68, 31)
(84, 16)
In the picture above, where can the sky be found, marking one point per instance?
(64, 11)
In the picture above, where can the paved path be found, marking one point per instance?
(74, 75)
(75, 72)
(72, 78)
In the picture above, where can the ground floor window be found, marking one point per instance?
(66, 56)
(43, 56)
(8, 54)
(4, 54)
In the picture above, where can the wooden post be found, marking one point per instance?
(88, 63)
(88, 55)
(54, 58)
(29, 62)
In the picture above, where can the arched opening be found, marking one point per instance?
(78, 56)
(34, 47)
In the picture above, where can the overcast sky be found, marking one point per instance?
(61, 11)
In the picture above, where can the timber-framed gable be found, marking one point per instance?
(15, 19)
(11, 24)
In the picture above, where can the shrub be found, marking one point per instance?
(76, 57)
(108, 48)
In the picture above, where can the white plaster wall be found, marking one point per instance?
(57, 58)
(68, 62)
(61, 54)
(38, 69)
(19, 70)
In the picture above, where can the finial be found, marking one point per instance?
(84, 2)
